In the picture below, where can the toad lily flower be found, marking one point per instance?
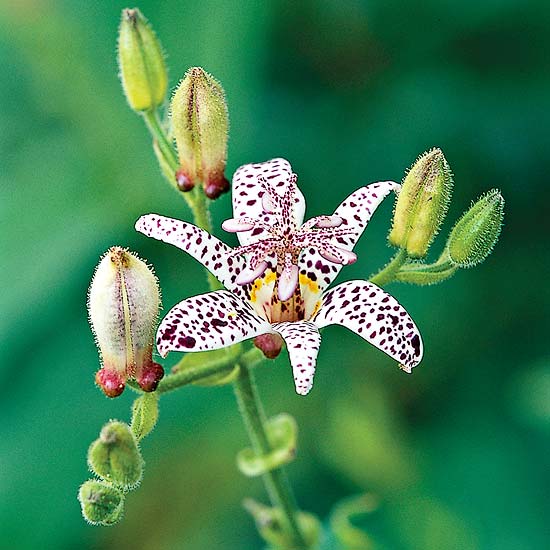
(276, 280)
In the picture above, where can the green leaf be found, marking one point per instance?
(282, 433)
(145, 413)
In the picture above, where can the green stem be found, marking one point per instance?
(201, 217)
(387, 274)
(195, 198)
(186, 376)
(275, 481)
(201, 214)
(154, 125)
(427, 274)
(176, 380)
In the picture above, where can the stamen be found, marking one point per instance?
(250, 275)
(323, 222)
(235, 225)
(337, 255)
(288, 279)
(281, 241)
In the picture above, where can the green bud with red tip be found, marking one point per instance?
(476, 232)
(422, 204)
(123, 305)
(200, 124)
(141, 62)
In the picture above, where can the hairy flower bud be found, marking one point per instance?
(476, 232)
(115, 456)
(200, 124)
(422, 204)
(101, 503)
(123, 304)
(141, 62)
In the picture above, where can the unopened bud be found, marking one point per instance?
(141, 62)
(476, 232)
(123, 304)
(270, 344)
(422, 204)
(101, 503)
(200, 124)
(115, 456)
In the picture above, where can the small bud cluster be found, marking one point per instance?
(200, 124)
(115, 459)
(420, 211)
(198, 113)
(123, 304)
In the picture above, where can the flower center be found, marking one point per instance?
(278, 247)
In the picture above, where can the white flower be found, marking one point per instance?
(276, 280)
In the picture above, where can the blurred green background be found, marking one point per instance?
(350, 92)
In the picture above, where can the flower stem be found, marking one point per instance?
(195, 198)
(387, 274)
(187, 376)
(154, 125)
(275, 481)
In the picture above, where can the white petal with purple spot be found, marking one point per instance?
(374, 315)
(355, 212)
(249, 190)
(209, 251)
(302, 341)
(207, 322)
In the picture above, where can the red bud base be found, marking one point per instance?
(110, 382)
(270, 344)
(183, 181)
(150, 377)
(214, 189)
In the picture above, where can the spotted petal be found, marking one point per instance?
(374, 315)
(209, 251)
(248, 195)
(302, 341)
(207, 322)
(355, 211)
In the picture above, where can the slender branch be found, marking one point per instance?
(195, 198)
(275, 481)
(387, 274)
(188, 376)
(154, 125)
